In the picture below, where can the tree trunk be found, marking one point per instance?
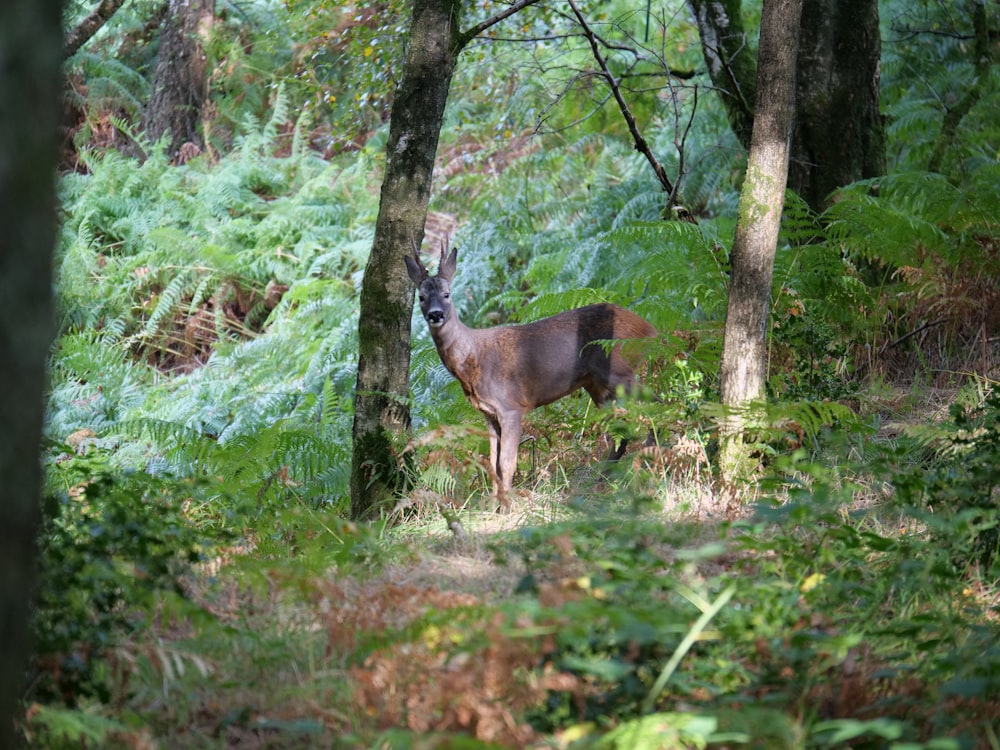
(839, 133)
(85, 30)
(730, 60)
(744, 351)
(380, 408)
(180, 78)
(31, 45)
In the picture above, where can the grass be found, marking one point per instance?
(585, 618)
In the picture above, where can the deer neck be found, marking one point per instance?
(456, 345)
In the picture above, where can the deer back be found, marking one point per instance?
(516, 368)
(550, 358)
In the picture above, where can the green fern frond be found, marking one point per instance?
(646, 206)
(440, 478)
(813, 416)
(168, 304)
(300, 137)
(548, 304)
(279, 116)
(334, 410)
(800, 225)
(188, 451)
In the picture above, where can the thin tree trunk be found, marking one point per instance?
(180, 78)
(380, 400)
(744, 353)
(380, 408)
(85, 30)
(31, 46)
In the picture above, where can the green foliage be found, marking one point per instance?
(930, 249)
(206, 361)
(816, 330)
(859, 626)
(339, 62)
(56, 728)
(927, 47)
(165, 269)
(957, 497)
(111, 544)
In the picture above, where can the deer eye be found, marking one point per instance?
(422, 298)
(447, 295)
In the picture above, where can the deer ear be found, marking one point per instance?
(415, 268)
(446, 270)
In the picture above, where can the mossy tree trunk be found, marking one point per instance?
(31, 45)
(180, 78)
(744, 352)
(381, 411)
(380, 408)
(839, 134)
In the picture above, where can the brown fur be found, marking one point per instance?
(507, 371)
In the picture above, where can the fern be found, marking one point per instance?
(167, 304)
(551, 303)
(96, 384)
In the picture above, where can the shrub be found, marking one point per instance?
(111, 543)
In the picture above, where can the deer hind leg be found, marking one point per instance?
(600, 395)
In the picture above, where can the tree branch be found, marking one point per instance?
(467, 36)
(640, 143)
(90, 25)
(953, 116)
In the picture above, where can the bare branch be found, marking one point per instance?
(466, 36)
(90, 25)
(640, 143)
(953, 116)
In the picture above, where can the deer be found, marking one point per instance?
(507, 371)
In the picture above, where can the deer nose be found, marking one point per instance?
(435, 317)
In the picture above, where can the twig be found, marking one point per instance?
(893, 344)
(467, 36)
(640, 143)
(454, 523)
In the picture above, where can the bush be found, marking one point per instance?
(111, 543)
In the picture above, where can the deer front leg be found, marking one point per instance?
(493, 428)
(510, 439)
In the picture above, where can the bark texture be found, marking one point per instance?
(744, 352)
(730, 60)
(839, 134)
(380, 408)
(31, 44)
(180, 77)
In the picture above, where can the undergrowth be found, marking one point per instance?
(201, 587)
(812, 621)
